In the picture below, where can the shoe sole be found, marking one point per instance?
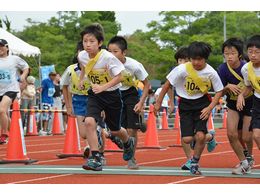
(185, 168)
(133, 168)
(91, 169)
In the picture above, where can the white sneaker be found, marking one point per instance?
(42, 133)
(241, 169)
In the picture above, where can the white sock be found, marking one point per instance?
(244, 163)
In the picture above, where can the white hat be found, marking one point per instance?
(30, 79)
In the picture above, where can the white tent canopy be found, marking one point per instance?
(18, 46)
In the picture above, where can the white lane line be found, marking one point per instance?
(186, 180)
(41, 178)
(180, 158)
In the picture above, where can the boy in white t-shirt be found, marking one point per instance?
(192, 81)
(132, 104)
(251, 74)
(103, 70)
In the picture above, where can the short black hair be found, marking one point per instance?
(79, 47)
(254, 41)
(119, 41)
(95, 29)
(199, 49)
(181, 53)
(234, 42)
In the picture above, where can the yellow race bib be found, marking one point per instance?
(129, 79)
(195, 84)
(99, 76)
(255, 81)
(75, 82)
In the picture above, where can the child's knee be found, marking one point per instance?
(187, 140)
(200, 136)
(90, 122)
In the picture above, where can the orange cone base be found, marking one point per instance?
(27, 162)
(70, 155)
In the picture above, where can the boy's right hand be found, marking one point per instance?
(234, 89)
(156, 108)
(81, 85)
(240, 102)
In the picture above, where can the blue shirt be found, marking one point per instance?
(48, 90)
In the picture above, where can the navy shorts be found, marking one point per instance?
(247, 110)
(130, 119)
(190, 111)
(255, 122)
(108, 101)
(11, 94)
(79, 103)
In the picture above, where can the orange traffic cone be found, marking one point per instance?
(32, 126)
(151, 136)
(164, 120)
(16, 149)
(224, 123)
(178, 130)
(111, 147)
(72, 141)
(210, 122)
(56, 124)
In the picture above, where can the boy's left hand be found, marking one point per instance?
(138, 108)
(205, 113)
(97, 88)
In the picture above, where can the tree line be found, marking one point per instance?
(57, 38)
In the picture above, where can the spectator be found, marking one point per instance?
(27, 100)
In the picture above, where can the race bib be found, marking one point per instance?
(99, 76)
(51, 92)
(128, 79)
(192, 88)
(5, 76)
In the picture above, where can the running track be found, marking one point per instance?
(45, 149)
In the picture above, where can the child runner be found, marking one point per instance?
(104, 72)
(10, 65)
(251, 74)
(181, 57)
(132, 105)
(232, 79)
(192, 81)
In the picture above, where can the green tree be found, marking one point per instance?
(57, 38)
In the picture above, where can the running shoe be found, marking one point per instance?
(92, 164)
(131, 164)
(187, 165)
(211, 145)
(240, 169)
(194, 169)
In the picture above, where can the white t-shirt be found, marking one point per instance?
(177, 78)
(136, 69)
(165, 98)
(106, 61)
(244, 72)
(9, 73)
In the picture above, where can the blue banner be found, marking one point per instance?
(45, 70)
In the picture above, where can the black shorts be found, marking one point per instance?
(11, 94)
(130, 119)
(190, 111)
(255, 121)
(240, 122)
(111, 103)
(247, 110)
